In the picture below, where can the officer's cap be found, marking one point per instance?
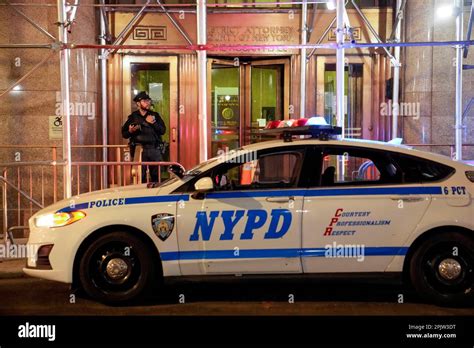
(141, 96)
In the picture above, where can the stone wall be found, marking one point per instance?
(429, 78)
(26, 111)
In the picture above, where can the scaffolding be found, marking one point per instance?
(67, 16)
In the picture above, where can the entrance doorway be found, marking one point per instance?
(244, 95)
(353, 87)
(158, 76)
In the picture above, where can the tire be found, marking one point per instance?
(116, 268)
(453, 284)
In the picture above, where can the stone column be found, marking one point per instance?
(417, 73)
(430, 76)
(444, 83)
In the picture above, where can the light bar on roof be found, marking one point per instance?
(321, 132)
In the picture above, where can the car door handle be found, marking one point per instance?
(407, 198)
(280, 199)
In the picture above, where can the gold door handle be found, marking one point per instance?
(173, 135)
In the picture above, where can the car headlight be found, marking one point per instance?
(59, 219)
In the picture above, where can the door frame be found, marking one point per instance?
(245, 92)
(367, 87)
(128, 60)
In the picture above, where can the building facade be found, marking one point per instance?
(246, 88)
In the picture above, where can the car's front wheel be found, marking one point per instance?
(116, 267)
(442, 269)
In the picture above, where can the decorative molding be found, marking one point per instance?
(356, 31)
(150, 33)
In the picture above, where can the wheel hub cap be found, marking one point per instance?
(117, 268)
(449, 269)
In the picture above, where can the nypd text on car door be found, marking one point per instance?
(250, 221)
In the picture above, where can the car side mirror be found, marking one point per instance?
(204, 184)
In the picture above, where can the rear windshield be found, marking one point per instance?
(416, 170)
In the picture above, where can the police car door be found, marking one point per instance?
(250, 222)
(358, 218)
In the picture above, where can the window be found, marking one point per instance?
(377, 167)
(419, 170)
(269, 170)
(278, 170)
(357, 167)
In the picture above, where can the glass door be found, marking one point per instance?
(225, 104)
(269, 95)
(158, 77)
(353, 101)
(245, 95)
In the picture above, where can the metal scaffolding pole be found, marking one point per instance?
(173, 4)
(65, 112)
(48, 46)
(32, 22)
(202, 78)
(373, 31)
(459, 58)
(127, 28)
(103, 84)
(304, 38)
(400, 9)
(340, 65)
(340, 9)
(396, 71)
(322, 37)
(469, 30)
(28, 74)
(173, 21)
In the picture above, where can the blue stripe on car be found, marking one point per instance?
(270, 253)
(366, 191)
(156, 199)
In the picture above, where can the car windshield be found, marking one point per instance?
(169, 181)
(197, 170)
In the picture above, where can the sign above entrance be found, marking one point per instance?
(246, 29)
(271, 29)
(263, 34)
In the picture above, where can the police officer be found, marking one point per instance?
(145, 127)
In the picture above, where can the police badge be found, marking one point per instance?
(162, 225)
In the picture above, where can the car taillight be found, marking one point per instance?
(470, 175)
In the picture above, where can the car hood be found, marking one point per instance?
(113, 196)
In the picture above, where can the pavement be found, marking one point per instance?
(220, 297)
(11, 268)
(244, 296)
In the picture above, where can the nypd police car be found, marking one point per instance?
(306, 203)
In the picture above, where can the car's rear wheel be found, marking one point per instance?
(442, 269)
(116, 268)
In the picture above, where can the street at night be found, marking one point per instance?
(22, 295)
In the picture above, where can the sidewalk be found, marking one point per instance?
(13, 268)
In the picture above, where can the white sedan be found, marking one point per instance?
(304, 205)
